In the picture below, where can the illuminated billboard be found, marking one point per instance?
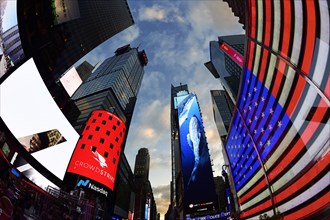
(71, 81)
(195, 158)
(232, 53)
(98, 150)
(27, 116)
(278, 145)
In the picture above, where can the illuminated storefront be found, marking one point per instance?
(278, 144)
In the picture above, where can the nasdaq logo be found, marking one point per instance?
(83, 182)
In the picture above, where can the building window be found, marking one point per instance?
(82, 146)
(94, 120)
(97, 128)
(93, 148)
(90, 137)
(114, 160)
(102, 141)
(117, 139)
(104, 122)
(111, 146)
(100, 114)
(107, 132)
(110, 117)
(114, 127)
(106, 154)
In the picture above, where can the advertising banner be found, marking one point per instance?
(33, 117)
(195, 158)
(98, 150)
(232, 53)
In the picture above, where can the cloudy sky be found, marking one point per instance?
(175, 36)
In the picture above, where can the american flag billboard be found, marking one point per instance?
(278, 144)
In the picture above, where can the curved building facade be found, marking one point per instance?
(278, 143)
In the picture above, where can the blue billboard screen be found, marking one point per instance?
(195, 158)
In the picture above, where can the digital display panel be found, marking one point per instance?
(98, 150)
(195, 158)
(26, 115)
(39, 141)
(232, 53)
(71, 81)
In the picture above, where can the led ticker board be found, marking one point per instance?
(232, 53)
(195, 158)
(98, 150)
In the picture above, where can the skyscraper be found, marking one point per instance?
(190, 155)
(84, 70)
(114, 85)
(223, 108)
(226, 63)
(11, 45)
(145, 206)
(278, 143)
(141, 168)
(238, 8)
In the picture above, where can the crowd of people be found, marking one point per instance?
(19, 200)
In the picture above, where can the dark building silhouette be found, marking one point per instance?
(141, 168)
(84, 70)
(238, 7)
(125, 195)
(221, 194)
(223, 109)
(145, 205)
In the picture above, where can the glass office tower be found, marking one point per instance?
(226, 62)
(278, 144)
(114, 85)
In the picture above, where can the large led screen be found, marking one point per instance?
(98, 150)
(195, 158)
(71, 81)
(28, 110)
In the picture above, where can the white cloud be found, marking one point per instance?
(167, 12)
(162, 198)
(153, 13)
(130, 34)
